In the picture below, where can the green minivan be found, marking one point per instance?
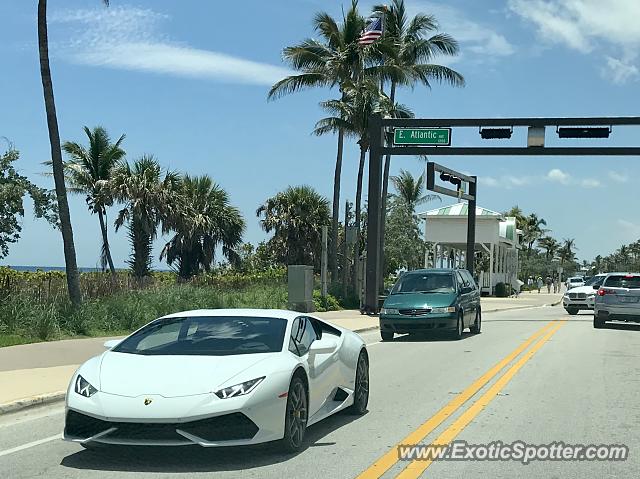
(432, 300)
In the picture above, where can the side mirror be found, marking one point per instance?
(466, 290)
(325, 345)
(386, 292)
(112, 343)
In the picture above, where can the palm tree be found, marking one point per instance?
(550, 245)
(207, 221)
(411, 190)
(71, 266)
(331, 62)
(296, 216)
(533, 231)
(150, 197)
(405, 54)
(566, 252)
(87, 173)
(362, 100)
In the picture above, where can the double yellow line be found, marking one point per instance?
(416, 468)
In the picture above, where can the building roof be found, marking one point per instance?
(461, 209)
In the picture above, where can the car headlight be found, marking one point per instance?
(239, 389)
(388, 311)
(84, 388)
(450, 309)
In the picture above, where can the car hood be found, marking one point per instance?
(583, 289)
(419, 300)
(171, 376)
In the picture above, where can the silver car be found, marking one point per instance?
(618, 299)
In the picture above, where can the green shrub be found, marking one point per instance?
(328, 303)
(503, 290)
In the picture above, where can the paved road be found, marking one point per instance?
(570, 383)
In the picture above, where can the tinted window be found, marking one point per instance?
(623, 281)
(462, 281)
(469, 279)
(596, 280)
(207, 336)
(302, 335)
(425, 283)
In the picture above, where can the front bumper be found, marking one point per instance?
(429, 322)
(203, 419)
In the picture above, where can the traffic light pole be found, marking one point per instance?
(433, 137)
(471, 226)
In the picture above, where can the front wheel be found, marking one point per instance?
(361, 392)
(295, 419)
(572, 311)
(386, 335)
(477, 324)
(457, 334)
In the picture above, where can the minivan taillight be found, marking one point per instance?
(605, 291)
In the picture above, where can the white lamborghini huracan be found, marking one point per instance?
(218, 378)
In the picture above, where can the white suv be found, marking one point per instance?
(582, 297)
(574, 282)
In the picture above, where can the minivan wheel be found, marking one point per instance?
(457, 334)
(386, 335)
(477, 324)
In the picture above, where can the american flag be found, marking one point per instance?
(372, 32)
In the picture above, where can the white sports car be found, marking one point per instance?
(218, 378)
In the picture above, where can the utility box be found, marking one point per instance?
(300, 280)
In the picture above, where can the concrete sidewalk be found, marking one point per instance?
(37, 373)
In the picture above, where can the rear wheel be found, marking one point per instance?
(386, 335)
(598, 323)
(361, 392)
(295, 419)
(477, 324)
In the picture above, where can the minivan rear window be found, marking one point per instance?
(623, 281)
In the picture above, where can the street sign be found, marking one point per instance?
(422, 136)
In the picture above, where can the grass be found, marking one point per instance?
(23, 320)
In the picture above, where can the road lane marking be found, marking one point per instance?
(29, 445)
(416, 468)
(384, 463)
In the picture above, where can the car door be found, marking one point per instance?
(303, 334)
(465, 297)
(474, 296)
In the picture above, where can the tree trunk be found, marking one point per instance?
(73, 278)
(333, 244)
(105, 242)
(383, 202)
(141, 242)
(363, 154)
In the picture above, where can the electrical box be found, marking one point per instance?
(300, 282)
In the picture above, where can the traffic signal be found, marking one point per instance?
(496, 133)
(451, 179)
(584, 132)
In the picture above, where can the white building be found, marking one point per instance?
(496, 235)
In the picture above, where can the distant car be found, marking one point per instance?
(582, 297)
(574, 282)
(430, 300)
(218, 378)
(618, 299)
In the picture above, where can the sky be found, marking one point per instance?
(187, 82)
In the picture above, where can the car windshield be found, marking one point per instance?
(425, 283)
(623, 281)
(207, 336)
(575, 280)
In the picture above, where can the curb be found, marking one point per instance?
(40, 400)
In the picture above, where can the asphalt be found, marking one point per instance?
(581, 386)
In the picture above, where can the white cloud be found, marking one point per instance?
(488, 181)
(558, 176)
(483, 41)
(129, 38)
(618, 177)
(590, 183)
(589, 26)
(619, 71)
(632, 228)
